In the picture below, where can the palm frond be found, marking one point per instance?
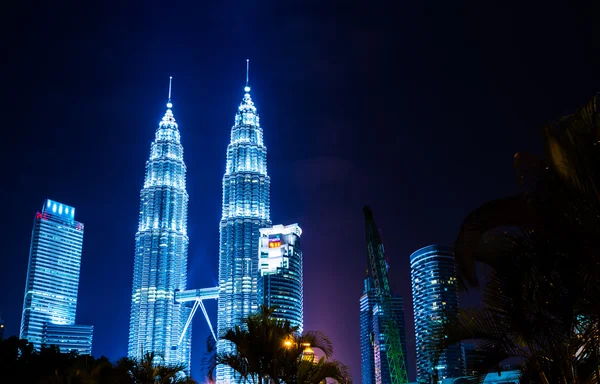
(317, 340)
(500, 213)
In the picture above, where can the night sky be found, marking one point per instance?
(415, 108)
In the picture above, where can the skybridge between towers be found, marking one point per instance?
(197, 296)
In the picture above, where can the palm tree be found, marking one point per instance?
(147, 371)
(309, 372)
(298, 361)
(542, 297)
(271, 350)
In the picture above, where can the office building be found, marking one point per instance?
(280, 268)
(435, 297)
(53, 276)
(157, 322)
(70, 337)
(474, 358)
(374, 363)
(246, 209)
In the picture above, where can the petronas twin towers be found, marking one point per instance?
(161, 245)
(160, 316)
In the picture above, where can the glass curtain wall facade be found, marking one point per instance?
(280, 266)
(70, 337)
(246, 209)
(435, 295)
(367, 303)
(374, 363)
(161, 247)
(53, 273)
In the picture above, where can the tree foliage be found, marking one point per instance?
(541, 300)
(266, 349)
(19, 363)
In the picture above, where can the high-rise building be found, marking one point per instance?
(53, 279)
(435, 297)
(246, 209)
(70, 337)
(280, 266)
(367, 302)
(374, 361)
(157, 321)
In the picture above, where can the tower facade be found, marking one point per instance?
(435, 295)
(161, 245)
(367, 303)
(246, 209)
(53, 280)
(374, 361)
(280, 273)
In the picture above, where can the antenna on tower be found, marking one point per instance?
(169, 104)
(247, 87)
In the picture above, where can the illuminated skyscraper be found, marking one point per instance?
(161, 244)
(53, 281)
(367, 302)
(280, 268)
(246, 209)
(374, 361)
(435, 295)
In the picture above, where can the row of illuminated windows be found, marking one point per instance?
(168, 150)
(55, 260)
(47, 240)
(246, 135)
(73, 234)
(167, 133)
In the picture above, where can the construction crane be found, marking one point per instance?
(391, 332)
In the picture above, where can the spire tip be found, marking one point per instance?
(247, 88)
(169, 104)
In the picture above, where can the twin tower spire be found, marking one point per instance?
(161, 309)
(246, 88)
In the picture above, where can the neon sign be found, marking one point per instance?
(274, 241)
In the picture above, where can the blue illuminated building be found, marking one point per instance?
(280, 279)
(246, 209)
(69, 337)
(435, 297)
(374, 363)
(52, 282)
(157, 322)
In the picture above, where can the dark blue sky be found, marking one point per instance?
(413, 107)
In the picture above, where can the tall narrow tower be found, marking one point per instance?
(161, 246)
(389, 347)
(246, 209)
(53, 281)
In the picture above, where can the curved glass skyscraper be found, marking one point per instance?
(435, 294)
(161, 246)
(246, 209)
